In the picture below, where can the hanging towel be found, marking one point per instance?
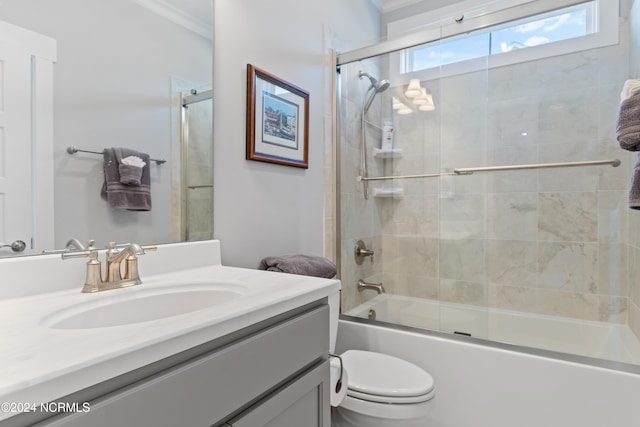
(628, 125)
(634, 192)
(120, 195)
(300, 264)
(628, 133)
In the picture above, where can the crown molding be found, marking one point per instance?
(390, 5)
(177, 16)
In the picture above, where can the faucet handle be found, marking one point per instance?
(361, 251)
(131, 264)
(93, 279)
(114, 245)
(80, 254)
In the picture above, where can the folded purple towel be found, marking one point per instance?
(300, 264)
(130, 174)
(628, 134)
(628, 124)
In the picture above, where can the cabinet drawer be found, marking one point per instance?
(209, 389)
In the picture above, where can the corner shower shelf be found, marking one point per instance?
(394, 153)
(388, 193)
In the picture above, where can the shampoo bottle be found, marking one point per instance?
(387, 137)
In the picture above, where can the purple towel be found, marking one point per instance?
(300, 264)
(119, 195)
(628, 134)
(634, 191)
(628, 124)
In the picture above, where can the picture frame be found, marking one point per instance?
(277, 120)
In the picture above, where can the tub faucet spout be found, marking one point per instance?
(362, 285)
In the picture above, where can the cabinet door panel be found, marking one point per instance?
(302, 403)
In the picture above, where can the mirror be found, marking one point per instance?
(120, 71)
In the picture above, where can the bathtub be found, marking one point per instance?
(496, 385)
(606, 341)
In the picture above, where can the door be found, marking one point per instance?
(16, 213)
(26, 114)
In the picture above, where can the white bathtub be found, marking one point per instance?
(600, 340)
(479, 385)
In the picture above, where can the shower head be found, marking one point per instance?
(382, 85)
(375, 88)
(379, 86)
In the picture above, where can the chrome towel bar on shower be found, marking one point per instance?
(469, 171)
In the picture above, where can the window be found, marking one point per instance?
(560, 25)
(551, 27)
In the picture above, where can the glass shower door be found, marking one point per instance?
(462, 108)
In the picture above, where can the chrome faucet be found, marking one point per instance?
(116, 255)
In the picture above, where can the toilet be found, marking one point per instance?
(382, 390)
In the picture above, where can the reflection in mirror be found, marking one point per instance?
(116, 78)
(197, 166)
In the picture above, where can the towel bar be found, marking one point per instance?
(74, 150)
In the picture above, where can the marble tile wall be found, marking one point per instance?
(360, 218)
(559, 242)
(634, 216)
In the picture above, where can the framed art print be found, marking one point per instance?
(277, 120)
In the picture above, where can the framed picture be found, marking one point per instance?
(277, 120)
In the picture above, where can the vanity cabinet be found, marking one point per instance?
(275, 373)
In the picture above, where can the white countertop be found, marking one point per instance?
(42, 364)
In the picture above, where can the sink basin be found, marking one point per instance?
(130, 306)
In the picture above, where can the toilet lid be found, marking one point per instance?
(380, 377)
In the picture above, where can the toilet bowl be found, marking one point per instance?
(382, 390)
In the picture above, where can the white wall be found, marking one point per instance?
(111, 88)
(489, 387)
(263, 209)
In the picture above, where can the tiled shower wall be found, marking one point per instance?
(359, 218)
(551, 242)
(634, 216)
